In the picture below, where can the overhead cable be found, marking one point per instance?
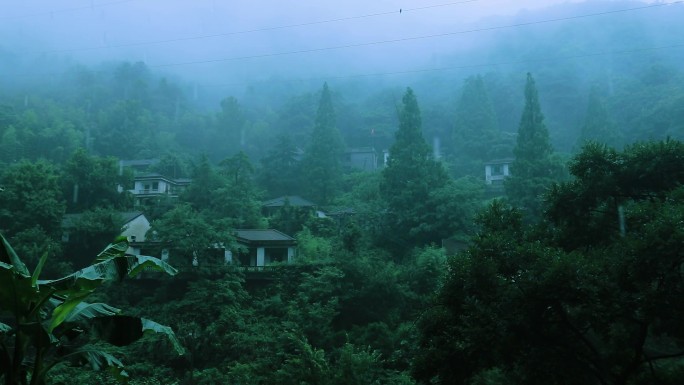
(446, 34)
(264, 29)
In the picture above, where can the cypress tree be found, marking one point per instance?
(534, 168)
(408, 180)
(476, 135)
(533, 146)
(321, 164)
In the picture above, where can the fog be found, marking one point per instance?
(352, 193)
(229, 45)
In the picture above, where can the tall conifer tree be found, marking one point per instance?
(534, 168)
(412, 174)
(321, 164)
(476, 137)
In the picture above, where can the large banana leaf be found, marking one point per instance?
(113, 268)
(17, 295)
(121, 330)
(74, 307)
(8, 256)
(99, 360)
(87, 311)
(153, 327)
(61, 300)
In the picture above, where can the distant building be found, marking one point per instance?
(497, 170)
(150, 186)
(263, 247)
(361, 158)
(272, 206)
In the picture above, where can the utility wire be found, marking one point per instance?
(469, 66)
(65, 10)
(264, 29)
(516, 25)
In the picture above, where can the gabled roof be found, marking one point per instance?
(138, 162)
(257, 235)
(501, 161)
(156, 176)
(360, 150)
(292, 200)
(128, 216)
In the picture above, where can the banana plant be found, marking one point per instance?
(45, 322)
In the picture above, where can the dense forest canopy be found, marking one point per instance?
(497, 202)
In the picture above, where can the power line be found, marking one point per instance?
(264, 29)
(414, 37)
(65, 10)
(470, 66)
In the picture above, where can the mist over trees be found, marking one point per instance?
(411, 266)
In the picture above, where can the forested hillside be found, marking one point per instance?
(412, 268)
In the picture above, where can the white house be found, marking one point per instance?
(134, 228)
(263, 247)
(497, 170)
(156, 186)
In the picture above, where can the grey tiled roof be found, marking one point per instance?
(257, 235)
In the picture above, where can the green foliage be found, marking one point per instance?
(88, 230)
(449, 210)
(361, 209)
(205, 180)
(585, 210)
(172, 165)
(34, 242)
(409, 179)
(311, 247)
(590, 294)
(533, 137)
(534, 168)
(598, 125)
(189, 236)
(321, 162)
(122, 129)
(237, 199)
(30, 197)
(49, 321)
(226, 194)
(279, 172)
(290, 219)
(476, 138)
(92, 181)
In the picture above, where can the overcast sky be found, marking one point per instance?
(215, 41)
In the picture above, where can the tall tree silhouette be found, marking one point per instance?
(534, 168)
(411, 176)
(321, 162)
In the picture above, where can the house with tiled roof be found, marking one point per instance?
(153, 185)
(261, 247)
(271, 206)
(291, 200)
(497, 170)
